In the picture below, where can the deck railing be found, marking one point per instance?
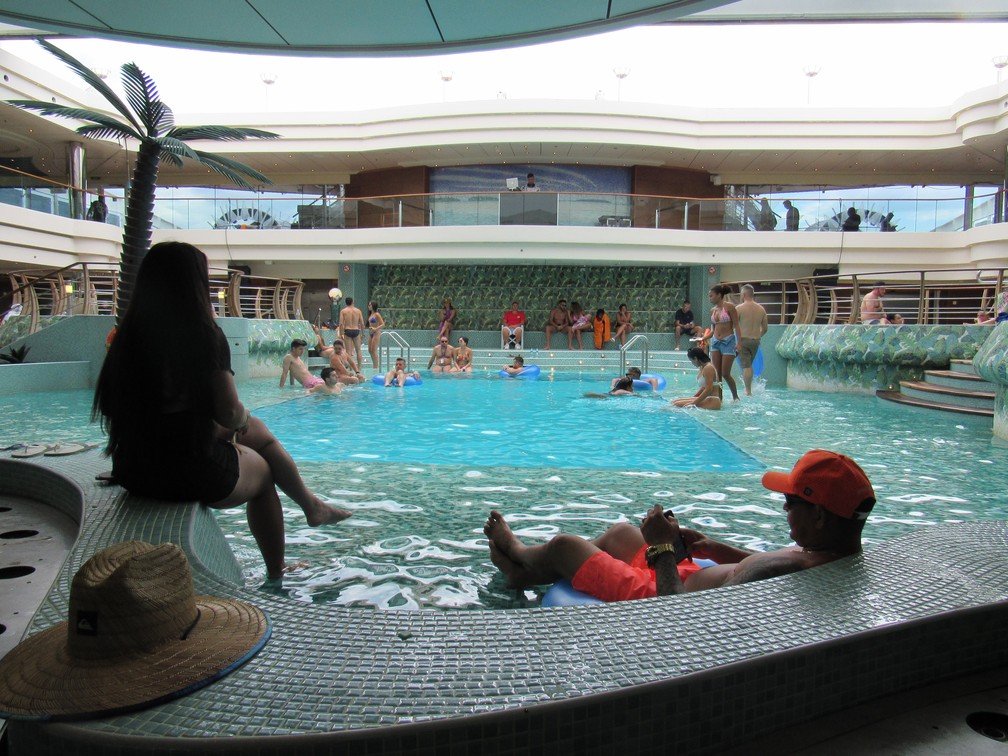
(881, 209)
(90, 289)
(927, 297)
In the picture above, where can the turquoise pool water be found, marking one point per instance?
(480, 420)
(416, 540)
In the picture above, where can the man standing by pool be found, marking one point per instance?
(827, 498)
(752, 319)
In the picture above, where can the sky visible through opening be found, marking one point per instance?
(748, 66)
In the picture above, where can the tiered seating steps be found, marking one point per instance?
(957, 389)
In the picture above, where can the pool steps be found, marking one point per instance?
(958, 389)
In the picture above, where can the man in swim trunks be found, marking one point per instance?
(514, 326)
(872, 311)
(351, 325)
(444, 355)
(346, 369)
(397, 375)
(827, 498)
(294, 366)
(330, 385)
(684, 322)
(559, 321)
(752, 319)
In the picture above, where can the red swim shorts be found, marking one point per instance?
(607, 578)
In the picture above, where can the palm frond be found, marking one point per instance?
(105, 132)
(142, 93)
(220, 133)
(171, 157)
(93, 80)
(167, 120)
(77, 114)
(177, 147)
(232, 169)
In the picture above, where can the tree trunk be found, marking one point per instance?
(139, 219)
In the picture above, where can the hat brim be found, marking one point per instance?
(779, 482)
(43, 682)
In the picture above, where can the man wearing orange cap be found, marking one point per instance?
(827, 498)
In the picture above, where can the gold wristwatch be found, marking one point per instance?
(652, 553)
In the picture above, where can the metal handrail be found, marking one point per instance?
(925, 296)
(644, 352)
(386, 347)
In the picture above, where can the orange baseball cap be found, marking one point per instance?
(830, 480)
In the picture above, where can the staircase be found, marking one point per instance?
(957, 389)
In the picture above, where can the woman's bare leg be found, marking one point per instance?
(263, 510)
(373, 345)
(726, 363)
(285, 473)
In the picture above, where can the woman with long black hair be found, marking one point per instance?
(176, 428)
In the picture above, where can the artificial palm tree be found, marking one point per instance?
(151, 123)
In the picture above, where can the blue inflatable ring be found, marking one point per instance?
(641, 384)
(379, 380)
(529, 371)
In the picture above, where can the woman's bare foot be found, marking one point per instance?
(322, 513)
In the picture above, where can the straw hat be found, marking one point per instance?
(137, 636)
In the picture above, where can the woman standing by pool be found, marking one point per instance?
(724, 321)
(375, 324)
(708, 395)
(447, 319)
(624, 325)
(176, 428)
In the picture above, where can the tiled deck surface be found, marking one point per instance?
(704, 671)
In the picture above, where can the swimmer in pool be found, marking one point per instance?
(329, 386)
(625, 386)
(346, 369)
(397, 375)
(516, 366)
(444, 355)
(294, 366)
(708, 395)
(827, 499)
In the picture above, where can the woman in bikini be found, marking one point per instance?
(580, 321)
(623, 324)
(447, 319)
(375, 323)
(463, 355)
(708, 395)
(724, 321)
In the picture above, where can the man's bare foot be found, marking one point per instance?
(500, 533)
(325, 514)
(517, 576)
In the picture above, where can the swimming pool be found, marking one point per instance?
(416, 539)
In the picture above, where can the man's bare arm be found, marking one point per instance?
(764, 566)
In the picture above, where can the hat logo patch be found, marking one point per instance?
(87, 623)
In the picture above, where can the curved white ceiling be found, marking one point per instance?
(342, 27)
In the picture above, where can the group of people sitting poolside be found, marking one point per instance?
(576, 321)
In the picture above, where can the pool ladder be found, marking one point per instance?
(400, 342)
(626, 348)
